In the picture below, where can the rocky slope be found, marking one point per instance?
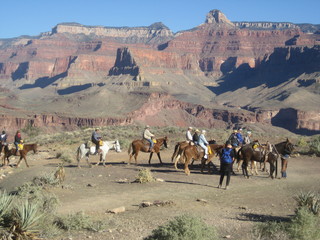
(265, 69)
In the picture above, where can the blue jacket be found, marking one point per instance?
(226, 155)
(240, 138)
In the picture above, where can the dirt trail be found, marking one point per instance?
(98, 189)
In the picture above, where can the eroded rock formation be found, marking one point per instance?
(153, 59)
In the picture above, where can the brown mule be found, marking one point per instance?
(138, 145)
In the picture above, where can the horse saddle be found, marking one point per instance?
(89, 144)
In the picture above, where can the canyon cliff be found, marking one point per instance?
(220, 73)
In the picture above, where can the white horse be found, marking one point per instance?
(83, 150)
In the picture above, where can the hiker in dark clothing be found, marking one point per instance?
(227, 157)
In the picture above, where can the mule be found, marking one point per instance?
(283, 149)
(8, 152)
(139, 145)
(248, 154)
(192, 152)
(178, 151)
(85, 150)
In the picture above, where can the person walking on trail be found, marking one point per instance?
(203, 143)
(227, 157)
(96, 138)
(189, 135)
(147, 135)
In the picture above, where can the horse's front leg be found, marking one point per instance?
(150, 157)
(103, 159)
(159, 157)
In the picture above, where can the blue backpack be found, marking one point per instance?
(226, 155)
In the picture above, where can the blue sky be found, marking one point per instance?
(31, 17)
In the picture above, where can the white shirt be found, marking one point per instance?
(189, 136)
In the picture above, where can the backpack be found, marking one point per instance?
(226, 155)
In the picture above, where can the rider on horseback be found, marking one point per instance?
(147, 135)
(3, 138)
(189, 135)
(203, 143)
(17, 141)
(195, 137)
(95, 138)
(247, 139)
(239, 136)
(233, 139)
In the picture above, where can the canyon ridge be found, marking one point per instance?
(218, 74)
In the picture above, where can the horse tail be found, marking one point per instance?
(129, 149)
(176, 147)
(238, 153)
(78, 154)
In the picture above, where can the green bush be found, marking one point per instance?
(35, 193)
(315, 146)
(304, 225)
(310, 200)
(144, 176)
(79, 221)
(5, 203)
(31, 131)
(24, 220)
(184, 227)
(270, 231)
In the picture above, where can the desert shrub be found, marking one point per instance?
(304, 225)
(5, 203)
(125, 143)
(46, 180)
(48, 229)
(64, 157)
(31, 131)
(314, 146)
(24, 220)
(270, 231)
(310, 200)
(79, 221)
(144, 176)
(36, 193)
(303, 145)
(184, 227)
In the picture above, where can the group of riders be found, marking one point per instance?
(18, 142)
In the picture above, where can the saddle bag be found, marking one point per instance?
(20, 146)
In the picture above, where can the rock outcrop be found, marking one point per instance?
(74, 58)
